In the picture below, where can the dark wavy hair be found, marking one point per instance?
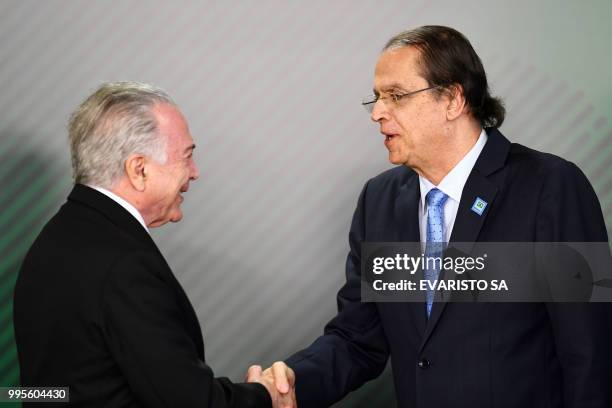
(447, 59)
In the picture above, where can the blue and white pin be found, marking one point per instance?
(479, 205)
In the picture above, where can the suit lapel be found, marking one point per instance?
(407, 210)
(468, 222)
(190, 313)
(466, 229)
(407, 216)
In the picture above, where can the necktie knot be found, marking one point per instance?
(435, 198)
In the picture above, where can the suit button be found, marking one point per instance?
(424, 363)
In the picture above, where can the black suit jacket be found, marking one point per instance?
(98, 309)
(471, 354)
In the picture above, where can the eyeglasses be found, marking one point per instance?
(394, 98)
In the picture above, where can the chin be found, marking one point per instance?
(176, 216)
(394, 159)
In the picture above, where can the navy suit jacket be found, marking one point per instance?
(471, 354)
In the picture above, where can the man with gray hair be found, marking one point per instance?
(96, 307)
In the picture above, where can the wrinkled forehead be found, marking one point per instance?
(398, 68)
(173, 126)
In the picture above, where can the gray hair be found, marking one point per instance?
(110, 125)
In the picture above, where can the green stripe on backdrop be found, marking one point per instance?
(26, 206)
(31, 217)
(24, 198)
(12, 186)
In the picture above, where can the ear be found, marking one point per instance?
(136, 172)
(456, 102)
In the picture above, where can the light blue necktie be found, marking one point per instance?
(434, 247)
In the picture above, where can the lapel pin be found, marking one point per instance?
(479, 206)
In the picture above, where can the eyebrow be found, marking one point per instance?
(389, 87)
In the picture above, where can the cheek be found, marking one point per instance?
(416, 124)
(184, 175)
(407, 128)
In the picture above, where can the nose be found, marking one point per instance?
(194, 172)
(379, 111)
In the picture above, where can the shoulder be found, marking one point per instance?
(390, 180)
(78, 225)
(539, 163)
(548, 172)
(79, 239)
(567, 206)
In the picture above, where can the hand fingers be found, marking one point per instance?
(290, 376)
(286, 400)
(253, 373)
(280, 370)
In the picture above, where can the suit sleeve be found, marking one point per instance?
(144, 328)
(353, 348)
(570, 212)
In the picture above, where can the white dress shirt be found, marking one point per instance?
(452, 185)
(129, 207)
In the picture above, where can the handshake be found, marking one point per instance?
(279, 380)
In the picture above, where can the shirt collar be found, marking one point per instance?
(125, 204)
(452, 184)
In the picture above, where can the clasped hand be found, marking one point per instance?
(279, 380)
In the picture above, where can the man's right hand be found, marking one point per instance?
(279, 380)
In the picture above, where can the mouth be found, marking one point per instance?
(183, 189)
(389, 137)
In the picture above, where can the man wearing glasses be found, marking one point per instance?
(459, 179)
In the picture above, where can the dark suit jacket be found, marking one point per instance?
(98, 309)
(471, 354)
